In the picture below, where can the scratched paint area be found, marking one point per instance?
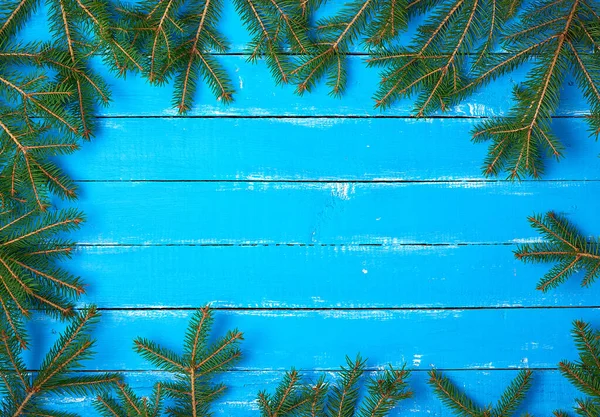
(323, 228)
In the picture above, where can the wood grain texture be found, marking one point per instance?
(321, 276)
(258, 95)
(549, 392)
(280, 339)
(307, 149)
(160, 213)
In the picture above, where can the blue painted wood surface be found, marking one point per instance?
(550, 391)
(258, 95)
(322, 227)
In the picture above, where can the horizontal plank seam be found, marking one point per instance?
(345, 309)
(336, 181)
(331, 370)
(309, 245)
(363, 54)
(330, 116)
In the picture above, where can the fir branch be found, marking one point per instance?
(435, 67)
(384, 392)
(566, 247)
(514, 394)
(293, 397)
(28, 392)
(557, 36)
(48, 94)
(287, 398)
(70, 21)
(29, 278)
(345, 393)
(193, 391)
(14, 16)
(29, 173)
(377, 20)
(452, 397)
(177, 36)
(584, 374)
(588, 408)
(129, 404)
(463, 406)
(275, 25)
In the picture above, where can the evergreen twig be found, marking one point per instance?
(193, 390)
(565, 246)
(29, 278)
(293, 397)
(559, 36)
(463, 406)
(585, 373)
(27, 393)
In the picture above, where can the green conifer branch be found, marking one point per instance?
(294, 397)
(379, 20)
(28, 392)
(129, 404)
(558, 36)
(275, 25)
(463, 406)
(29, 278)
(48, 93)
(193, 390)
(435, 67)
(565, 246)
(177, 37)
(585, 373)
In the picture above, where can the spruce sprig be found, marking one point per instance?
(29, 277)
(28, 393)
(463, 406)
(559, 36)
(376, 20)
(437, 65)
(585, 373)
(275, 26)
(177, 37)
(48, 92)
(35, 125)
(193, 390)
(566, 247)
(294, 397)
(129, 404)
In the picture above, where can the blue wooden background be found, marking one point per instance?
(322, 227)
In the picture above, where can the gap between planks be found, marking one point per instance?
(309, 245)
(340, 181)
(345, 309)
(332, 116)
(312, 370)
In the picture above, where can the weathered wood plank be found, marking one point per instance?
(326, 213)
(550, 391)
(321, 277)
(257, 95)
(307, 149)
(280, 339)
